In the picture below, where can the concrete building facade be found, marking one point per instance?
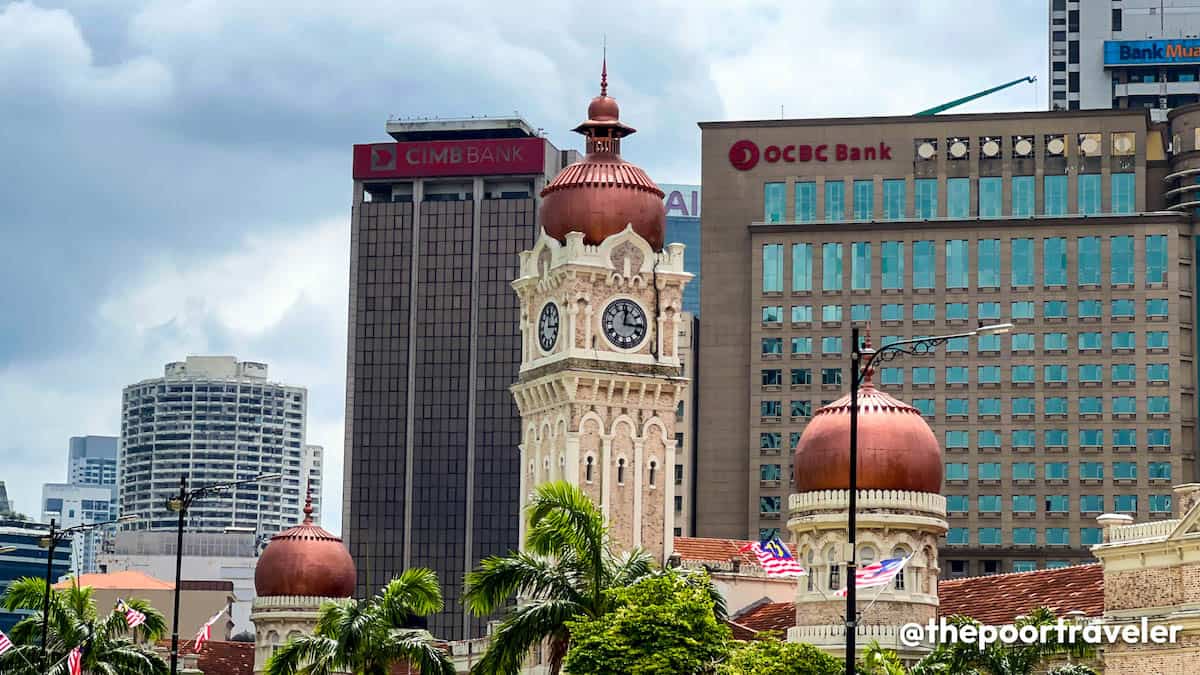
(1073, 226)
(1124, 54)
(28, 560)
(92, 460)
(70, 505)
(431, 475)
(214, 419)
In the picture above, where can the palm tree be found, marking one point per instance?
(1000, 659)
(369, 637)
(562, 574)
(109, 645)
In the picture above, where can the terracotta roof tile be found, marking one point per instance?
(776, 616)
(1000, 598)
(219, 657)
(700, 549)
(127, 579)
(741, 632)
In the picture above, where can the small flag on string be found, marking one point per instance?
(5, 643)
(877, 574)
(205, 633)
(775, 558)
(133, 617)
(75, 662)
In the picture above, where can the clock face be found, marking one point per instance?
(624, 323)
(548, 327)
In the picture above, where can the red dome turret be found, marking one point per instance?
(896, 448)
(602, 194)
(307, 561)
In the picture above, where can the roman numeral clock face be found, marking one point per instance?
(624, 323)
(548, 327)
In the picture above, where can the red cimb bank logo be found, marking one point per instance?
(743, 155)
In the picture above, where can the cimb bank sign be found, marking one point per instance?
(416, 159)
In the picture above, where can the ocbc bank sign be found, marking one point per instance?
(745, 154)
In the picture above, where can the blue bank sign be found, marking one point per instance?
(1137, 52)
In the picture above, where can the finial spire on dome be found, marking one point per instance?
(308, 509)
(604, 69)
(869, 370)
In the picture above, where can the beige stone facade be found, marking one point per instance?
(596, 414)
(786, 281)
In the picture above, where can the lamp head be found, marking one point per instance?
(994, 329)
(128, 519)
(175, 504)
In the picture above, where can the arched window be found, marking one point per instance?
(812, 572)
(866, 555)
(899, 552)
(587, 468)
(835, 570)
(621, 471)
(546, 465)
(653, 467)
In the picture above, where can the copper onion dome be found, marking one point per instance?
(305, 560)
(896, 448)
(602, 194)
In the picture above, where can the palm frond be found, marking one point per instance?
(414, 593)
(300, 652)
(418, 648)
(498, 580)
(525, 627)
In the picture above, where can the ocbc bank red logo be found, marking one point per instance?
(744, 154)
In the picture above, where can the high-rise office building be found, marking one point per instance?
(683, 226)
(213, 419)
(92, 460)
(1124, 54)
(1077, 227)
(70, 505)
(431, 467)
(27, 560)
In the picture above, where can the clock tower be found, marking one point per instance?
(601, 302)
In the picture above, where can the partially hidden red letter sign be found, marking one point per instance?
(450, 158)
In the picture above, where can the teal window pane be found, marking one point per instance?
(1090, 536)
(989, 471)
(1090, 309)
(1091, 405)
(1054, 197)
(1124, 405)
(1125, 437)
(1123, 308)
(1056, 405)
(1124, 470)
(892, 264)
(1156, 307)
(1091, 470)
(835, 201)
(772, 314)
(1091, 503)
(831, 345)
(1022, 196)
(771, 408)
(1058, 536)
(1088, 260)
(772, 377)
(1156, 259)
(831, 312)
(924, 264)
(893, 199)
(1024, 536)
(956, 439)
(1090, 438)
(772, 271)
(802, 313)
(1158, 405)
(1022, 262)
(802, 345)
(806, 201)
(1054, 261)
(957, 407)
(1024, 471)
(1091, 372)
(956, 503)
(957, 311)
(1054, 437)
(924, 311)
(1160, 503)
(864, 199)
(989, 503)
(775, 201)
(1158, 372)
(772, 346)
(1024, 438)
(1024, 405)
(891, 376)
(770, 440)
(958, 263)
(1091, 341)
(1055, 309)
(1054, 342)
(991, 197)
(989, 374)
(1022, 309)
(989, 406)
(831, 376)
(802, 267)
(1057, 470)
(892, 311)
(989, 343)
(1089, 193)
(860, 268)
(925, 406)
(831, 272)
(988, 438)
(957, 536)
(956, 471)
(1057, 503)
(958, 197)
(1126, 503)
(1123, 372)
(1024, 565)
(989, 536)
(958, 344)
(860, 312)
(1160, 470)
(1158, 437)
(926, 197)
(802, 375)
(1121, 260)
(1156, 339)
(923, 375)
(1023, 374)
(989, 263)
(1122, 193)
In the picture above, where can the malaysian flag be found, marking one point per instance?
(205, 633)
(877, 574)
(75, 662)
(5, 643)
(133, 617)
(775, 558)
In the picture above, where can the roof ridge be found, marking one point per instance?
(1014, 574)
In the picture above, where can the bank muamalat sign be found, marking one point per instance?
(1140, 52)
(449, 158)
(745, 154)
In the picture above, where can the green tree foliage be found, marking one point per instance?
(1071, 669)
(879, 661)
(662, 624)
(962, 658)
(771, 656)
(109, 646)
(369, 637)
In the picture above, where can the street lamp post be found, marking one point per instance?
(180, 504)
(50, 542)
(858, 371)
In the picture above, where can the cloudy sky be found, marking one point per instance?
(175, 175)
